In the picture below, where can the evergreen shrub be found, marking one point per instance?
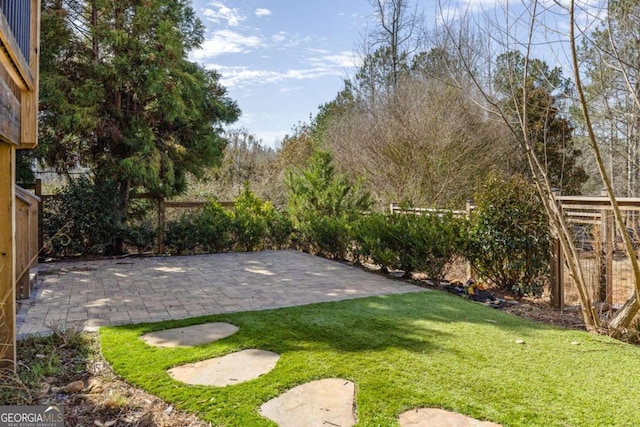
(323, 205)
(205, 231)
(508, 240)
(425, 243)
(84, 217)
(258, 224)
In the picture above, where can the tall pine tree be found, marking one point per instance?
(550, 133)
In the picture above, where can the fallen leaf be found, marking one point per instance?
(74, 387)
(44, 388)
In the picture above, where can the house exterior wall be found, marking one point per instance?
(18, 130)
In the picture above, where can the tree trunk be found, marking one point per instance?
(626, 315)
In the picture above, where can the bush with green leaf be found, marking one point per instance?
(251, 225)
(249, 222)
(180, 236)
(280, 229)
(412, 243)
(371, 243)
(85, 217)
(142, 235)
(323, 205)
(435, 239)
(508, 239)
(258, 224)
(204, 231)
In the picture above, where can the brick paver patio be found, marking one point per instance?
(135, 290)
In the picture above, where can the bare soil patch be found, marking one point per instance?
(83, 384)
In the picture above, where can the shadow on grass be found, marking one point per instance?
(403, 351)
(408, 322)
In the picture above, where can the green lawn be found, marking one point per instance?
(407, 351)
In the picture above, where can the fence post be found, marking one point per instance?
(557, 261)
(471, 272)
(606, 277)
(162, 220)
(38, 191)
(8, 355)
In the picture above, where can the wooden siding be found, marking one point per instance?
(10, 111)
(12, 58)
(7, 257)
(19, 47)
(29, 99)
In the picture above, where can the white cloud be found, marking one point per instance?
(262, 12)
(244, 77)
(285, 40)
(219, 12)
(226, 41)
(280, 37)
(343, 59)
(291, 89)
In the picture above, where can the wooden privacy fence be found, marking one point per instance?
(27, 240)
(161, 207)
(395, 208)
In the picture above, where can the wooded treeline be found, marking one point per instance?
(430, 111)
(119, 96)
(411, 122)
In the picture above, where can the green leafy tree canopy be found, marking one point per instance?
(550, 133)
(119, 96)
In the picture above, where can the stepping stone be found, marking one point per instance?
(433, 417)
(190, 335)
(231, 369)
(322, 403)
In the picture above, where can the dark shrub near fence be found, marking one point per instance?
(250, 225)
(426, 243)
(84, 218)
(509, 237)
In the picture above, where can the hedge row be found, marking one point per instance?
(506, 238)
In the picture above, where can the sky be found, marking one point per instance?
(280, 59)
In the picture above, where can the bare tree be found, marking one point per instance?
(398, 27)
(386, 51)
(609, 64)
(245, 161)
(628, 313)
(425, 144)
(504, 41)
(528, 25)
